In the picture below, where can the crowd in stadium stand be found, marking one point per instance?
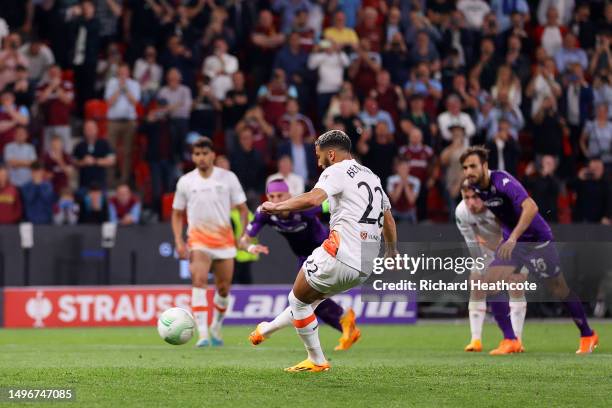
(100, 100)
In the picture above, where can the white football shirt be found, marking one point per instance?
(481, 231)
(357, 202)
(208, 202)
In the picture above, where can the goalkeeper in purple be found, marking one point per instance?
(304, 232)
(521, 223)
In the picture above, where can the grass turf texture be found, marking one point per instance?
(422, 365)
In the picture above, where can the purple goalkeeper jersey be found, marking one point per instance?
(303, 230)
(504, 198)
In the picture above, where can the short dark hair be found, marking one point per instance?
(36, 165)
(202, 143)
(334, 138)
(480, 151)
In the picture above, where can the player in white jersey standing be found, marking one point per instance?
(206, 195)
(359, 209)
(482, 234)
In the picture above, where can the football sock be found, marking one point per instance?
(477, 311)
(501, 313)
(199, 308)
(330, 312)
(307, 328)
(281, 321)
(575, 309)
(518, 310)
(220, 306)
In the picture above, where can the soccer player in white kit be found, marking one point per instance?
(482, 234)
(359, 209)
(207, 195)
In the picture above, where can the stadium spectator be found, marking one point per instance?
(329, 62)
(93, 206)
(235, 105)
(547, 130)
(10, 59)
(93, 156)
(266, 40)
(550, 33)
(84, 49)
(292, 59)
(507, 83)
(396, 60)
(54, 97)
(11, 117)
(365, 64)
(219, 67)
(389, 97)
(453, 117)
(304, 29)
(38, 197)
(40, 58)
(422, 83)
(596, 140)
(570, 54)
(148, 73)
(602, 57)
(178, 108)
(351, 123)
(302, 154)
(458, 39)
(217, 28)
(273, 96)
(504, 151)
(372, 114)
(576, 102)
(19, 156)
(66, 210)
(486, 67)
(379, 151)
(249, 166)
(261, 130)
(369, 29)
(107, 68)
(417, 116)
(453, 173)
(593, 193)
(582, 26)
(10, 199)
(124, 207)
(542, 85)
(122, 95)
(22, 87)
(503, 10)
(177, 57)
(204, 110)
(288, 10)
(339, 33)
(504, 109)
(403, 190)
(519, 31)
(474, 12)
(565, 10)
(394, 25)
(58, 164)
(292, 114)
(544, 187)
(285, 171)
(421, 159)
(424, 51)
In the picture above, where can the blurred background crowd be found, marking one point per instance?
(100, 99)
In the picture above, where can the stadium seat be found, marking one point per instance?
(96, 109)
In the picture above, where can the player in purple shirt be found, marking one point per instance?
(521, 222)
(304, 233)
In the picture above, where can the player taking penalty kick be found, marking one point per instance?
(304, 232)
(521, 222)
(359, 210)
(482, 234)
(206, 195)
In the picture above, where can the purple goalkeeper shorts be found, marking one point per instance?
(540, 258)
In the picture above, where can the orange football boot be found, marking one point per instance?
(507, 346)
(475, 346)
(588, 344)
(350, 332)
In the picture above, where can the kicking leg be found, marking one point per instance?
(588, 338)
(223, 270)
(199, 265)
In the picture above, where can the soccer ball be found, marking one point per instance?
(176, 326)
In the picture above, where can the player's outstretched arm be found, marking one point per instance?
(311, 199)
(390, 234)
(178, 217)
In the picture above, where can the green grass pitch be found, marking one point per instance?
(391, 366)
